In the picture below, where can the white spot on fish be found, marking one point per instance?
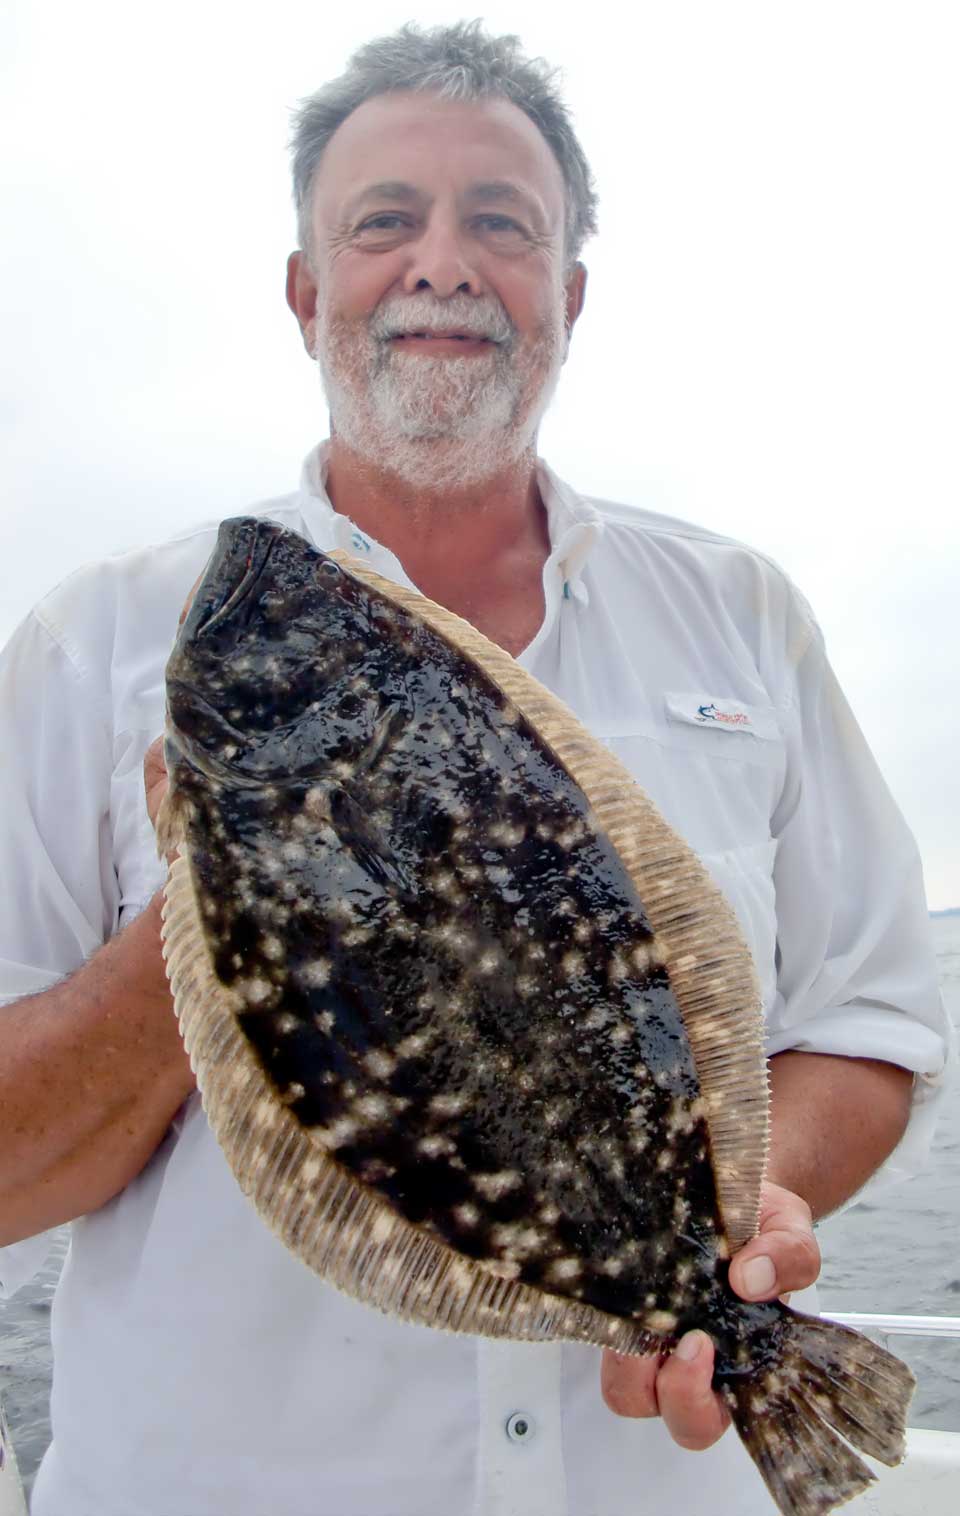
(373, 1107)
(316, 973)
(380, 1063)
(562, 1270)
(503, 1268)
(255, 991)
(340, 1132)
(316, 803)
(617, 969)
(357, 936)
(516, 1240)
(413, 1046)
(451, 1104)
(506, 834)
(494, 1186)
(661, 1322)
(436, 1146)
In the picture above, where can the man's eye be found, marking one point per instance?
(500, 224)
(386, 221)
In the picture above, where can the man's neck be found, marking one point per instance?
(483, 526)
(479, 551)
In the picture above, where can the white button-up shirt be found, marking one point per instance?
(200, 1369)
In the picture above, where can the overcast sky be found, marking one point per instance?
(771, 343)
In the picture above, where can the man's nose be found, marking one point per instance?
(440, 261)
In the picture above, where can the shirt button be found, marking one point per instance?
(520, 1427)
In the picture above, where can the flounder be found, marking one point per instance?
(478, 1036)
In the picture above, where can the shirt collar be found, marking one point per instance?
(573, 524)
(575, 527)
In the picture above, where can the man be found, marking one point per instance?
(443, 202)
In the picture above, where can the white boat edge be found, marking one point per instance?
(927, 1483)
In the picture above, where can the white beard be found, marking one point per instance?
(443, 422)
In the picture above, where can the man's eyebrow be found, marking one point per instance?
(387, 189)
(487, 190)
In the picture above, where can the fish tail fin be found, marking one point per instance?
(822, 1383)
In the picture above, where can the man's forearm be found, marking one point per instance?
(92, 1072)
(834, 1121)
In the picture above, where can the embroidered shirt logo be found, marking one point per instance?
(712, 712)
(715, 714)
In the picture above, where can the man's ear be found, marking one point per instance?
(576, 289)
(302, 297)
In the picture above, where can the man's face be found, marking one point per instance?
(435, 299)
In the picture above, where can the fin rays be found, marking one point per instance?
(829, 1384)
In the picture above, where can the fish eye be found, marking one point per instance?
(330, 569)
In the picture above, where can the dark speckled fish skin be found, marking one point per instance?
(445, 966)
(443, 973)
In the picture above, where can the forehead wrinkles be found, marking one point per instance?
(419, 144)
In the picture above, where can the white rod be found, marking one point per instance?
(902, 1326)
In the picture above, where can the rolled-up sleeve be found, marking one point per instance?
(857, 974)
(60, 888)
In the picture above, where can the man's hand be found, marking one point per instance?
(154, 768)
(154, 777)
(782, 1257)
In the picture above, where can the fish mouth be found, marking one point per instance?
(235, 567)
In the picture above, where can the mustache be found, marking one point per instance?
(474, 316)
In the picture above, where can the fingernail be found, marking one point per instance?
(688, 1348)
(759, 1277)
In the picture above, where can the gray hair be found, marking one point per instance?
(459, 62)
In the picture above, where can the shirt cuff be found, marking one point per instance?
(892, 1037)
(868, 1032)
(18, 980)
